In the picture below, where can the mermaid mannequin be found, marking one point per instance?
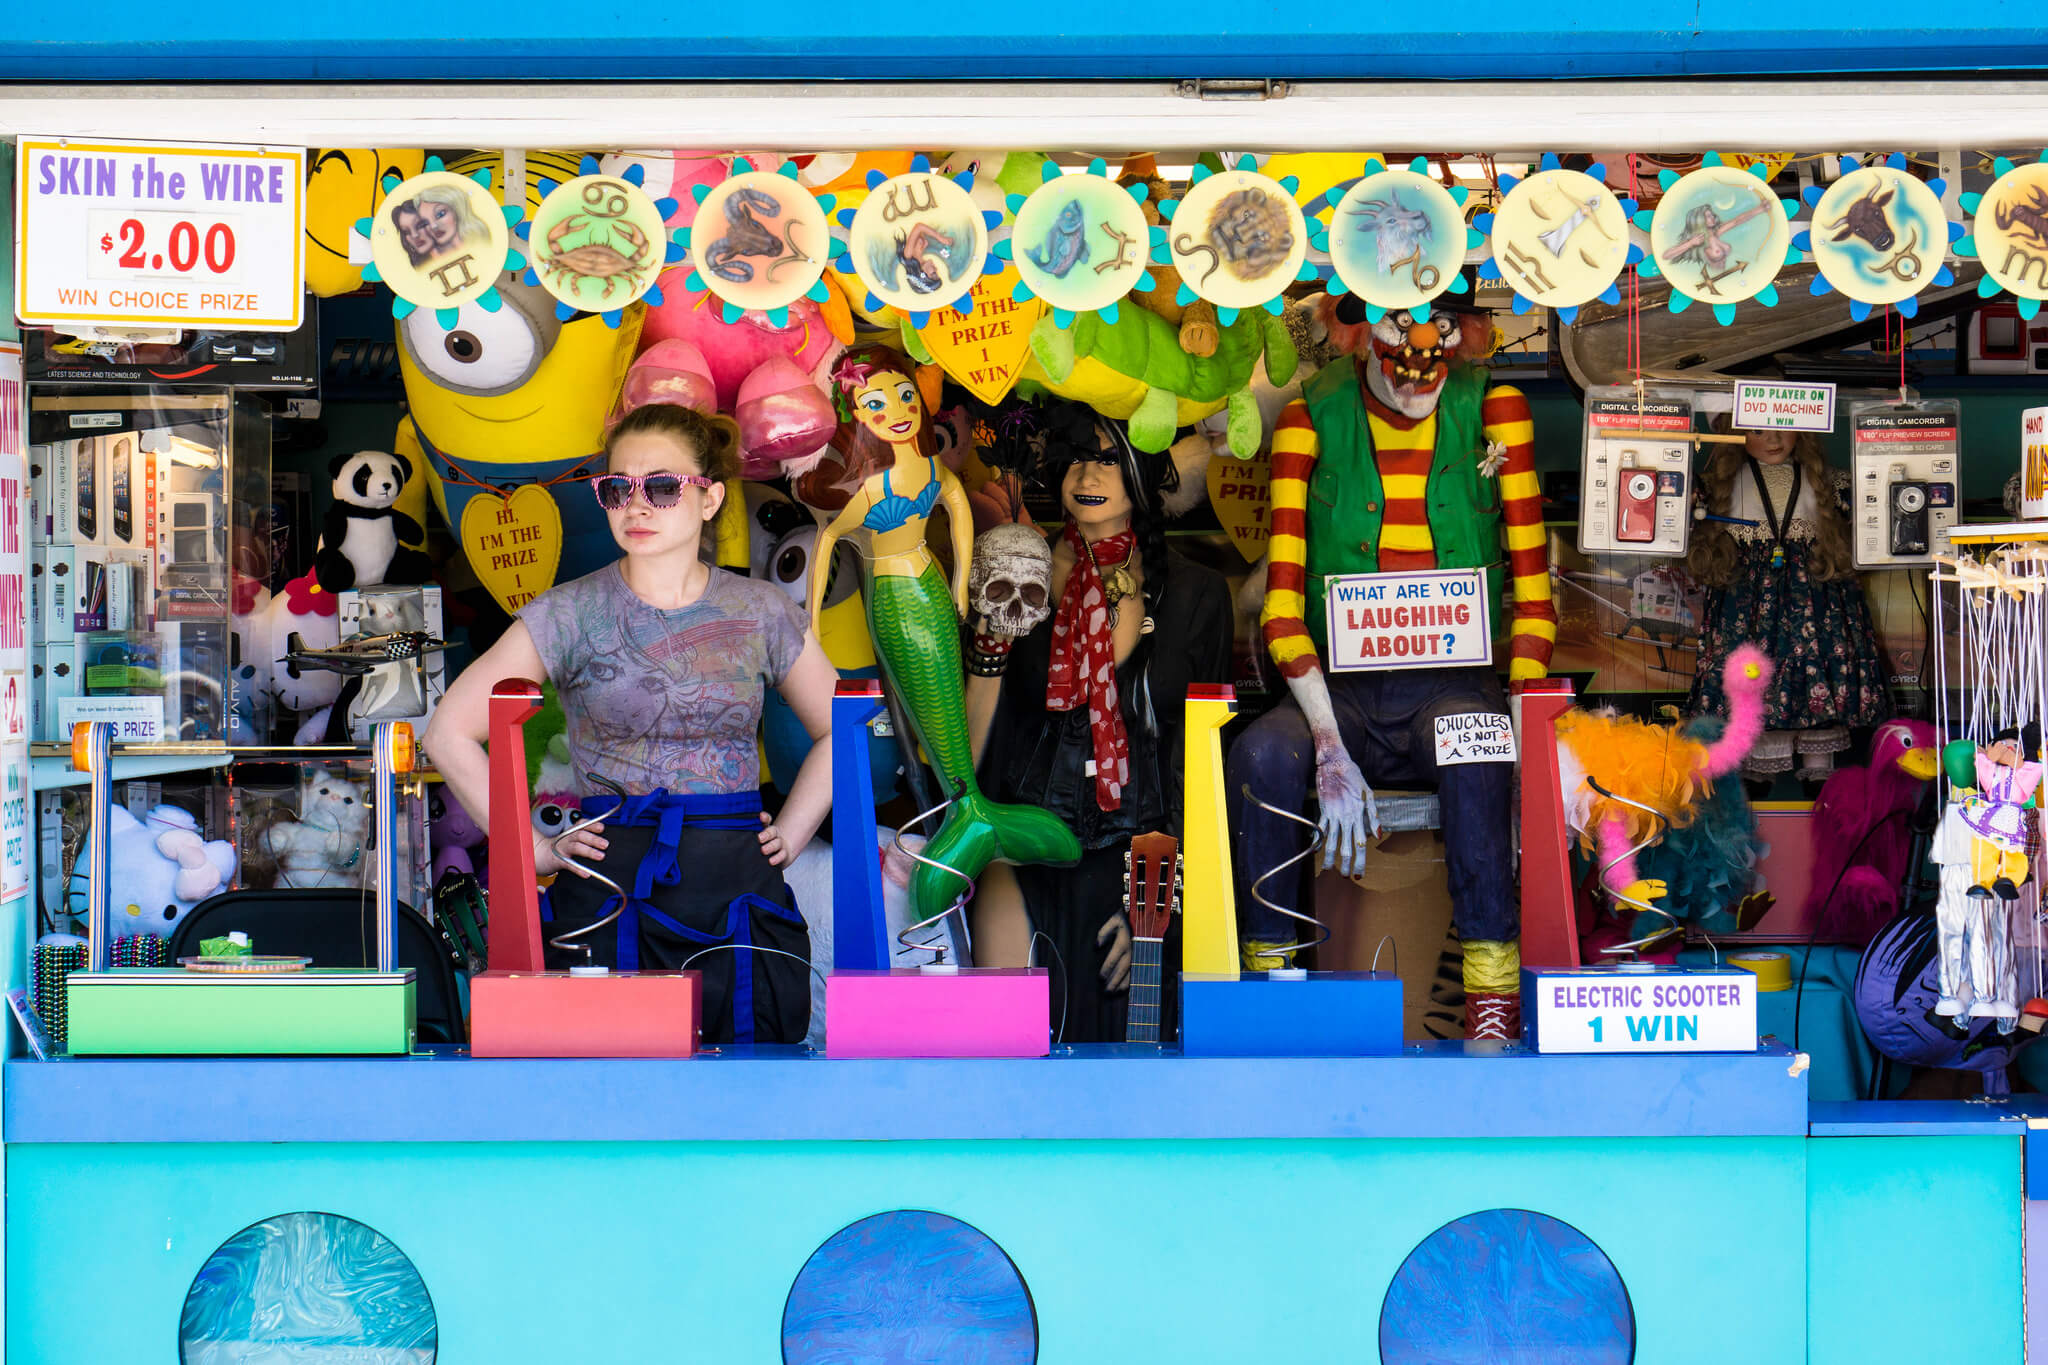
(895, 480)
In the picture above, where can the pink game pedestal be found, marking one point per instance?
(555, 1014)
(978, 1012)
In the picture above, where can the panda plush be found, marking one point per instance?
(364, 539)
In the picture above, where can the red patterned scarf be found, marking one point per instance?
(1083, 666)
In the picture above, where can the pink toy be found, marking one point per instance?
(672, 174)
(911, 1013)
(788, 418)
(1862, 832)
(672, 371)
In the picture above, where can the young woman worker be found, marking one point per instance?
(661, 662)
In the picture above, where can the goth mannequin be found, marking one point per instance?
(1396, 459)
(1102, 755)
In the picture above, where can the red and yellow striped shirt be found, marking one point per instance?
(1403, 450)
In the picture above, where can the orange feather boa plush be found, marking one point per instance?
(1603, 756)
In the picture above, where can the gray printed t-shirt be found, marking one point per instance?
(660, 698)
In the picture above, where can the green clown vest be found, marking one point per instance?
(1345, 496)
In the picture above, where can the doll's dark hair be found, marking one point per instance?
(1074, 431)
(1712, 557)
(715, 439)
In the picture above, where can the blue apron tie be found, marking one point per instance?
(671, 815)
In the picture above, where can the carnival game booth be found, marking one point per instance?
(1222, 603)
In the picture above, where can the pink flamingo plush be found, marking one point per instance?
(1862, 832)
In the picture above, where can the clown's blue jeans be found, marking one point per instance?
(1388, 724)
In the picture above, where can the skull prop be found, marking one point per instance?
(1010, 583)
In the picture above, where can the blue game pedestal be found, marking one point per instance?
(1277, 1014)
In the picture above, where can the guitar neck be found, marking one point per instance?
(1141, 1022)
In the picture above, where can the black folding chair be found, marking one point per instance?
(336, 927)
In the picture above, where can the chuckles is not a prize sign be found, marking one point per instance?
(1436, 618)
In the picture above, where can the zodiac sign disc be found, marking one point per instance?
(1238, 239)
(918, 242)
(1397, 239)
(598, 243)
(439, 240)
(2011, 229)
(1080, 242)
(1719, 235)
(760, 240)
(1560, 238)
(1879, 235)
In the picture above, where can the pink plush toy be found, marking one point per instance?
(1862, 832)
(766, 377)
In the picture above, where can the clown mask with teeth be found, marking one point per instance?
(1410, 361)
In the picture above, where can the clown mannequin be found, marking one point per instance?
(1399, 460)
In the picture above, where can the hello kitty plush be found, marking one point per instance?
(159, 868)
(325, 845)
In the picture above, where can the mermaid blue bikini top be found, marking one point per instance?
(893, 509)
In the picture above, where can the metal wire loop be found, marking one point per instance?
(1315, 842)
(1636, 945)
(966, 893)
(568, 942)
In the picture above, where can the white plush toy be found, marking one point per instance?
(364, 539)
(324, 846)
(158, 870)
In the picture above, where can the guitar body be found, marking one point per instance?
(1151, 896)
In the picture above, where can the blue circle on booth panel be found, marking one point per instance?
(909, 1288)
(307, 1289)
(1507, 1287)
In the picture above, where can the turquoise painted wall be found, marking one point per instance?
(1914, 1250)
(1180, 1251)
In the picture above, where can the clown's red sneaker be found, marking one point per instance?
(1491, 1018)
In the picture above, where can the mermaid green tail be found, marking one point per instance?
(917, 639)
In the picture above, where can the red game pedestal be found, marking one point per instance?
(555, 1014)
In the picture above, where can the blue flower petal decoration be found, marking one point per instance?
(1109, 313)
(1909, 306)
(2028, 307)
(1226, 316)
(490, 300)
(611, 319)
(1568, 315)
(1859, 311)
(920, 319)
(1550, 162)
(1062, 318)
(1768, 296)
(403, 309)
(563, 312)
(1724, 313)
(1678, 302)
(446, 317)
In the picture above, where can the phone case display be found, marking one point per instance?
(302, 825)
(1903, 456)
(147, 509)
(247, 360)
(1634, 478)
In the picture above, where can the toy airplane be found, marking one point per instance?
(363, 654)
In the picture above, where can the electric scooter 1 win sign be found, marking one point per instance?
(142, 235)
(1435, 618)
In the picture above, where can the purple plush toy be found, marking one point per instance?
(1897, 985)
(453, 834)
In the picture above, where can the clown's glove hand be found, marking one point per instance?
(1349, 814)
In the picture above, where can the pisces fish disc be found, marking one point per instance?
(1080, 242)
